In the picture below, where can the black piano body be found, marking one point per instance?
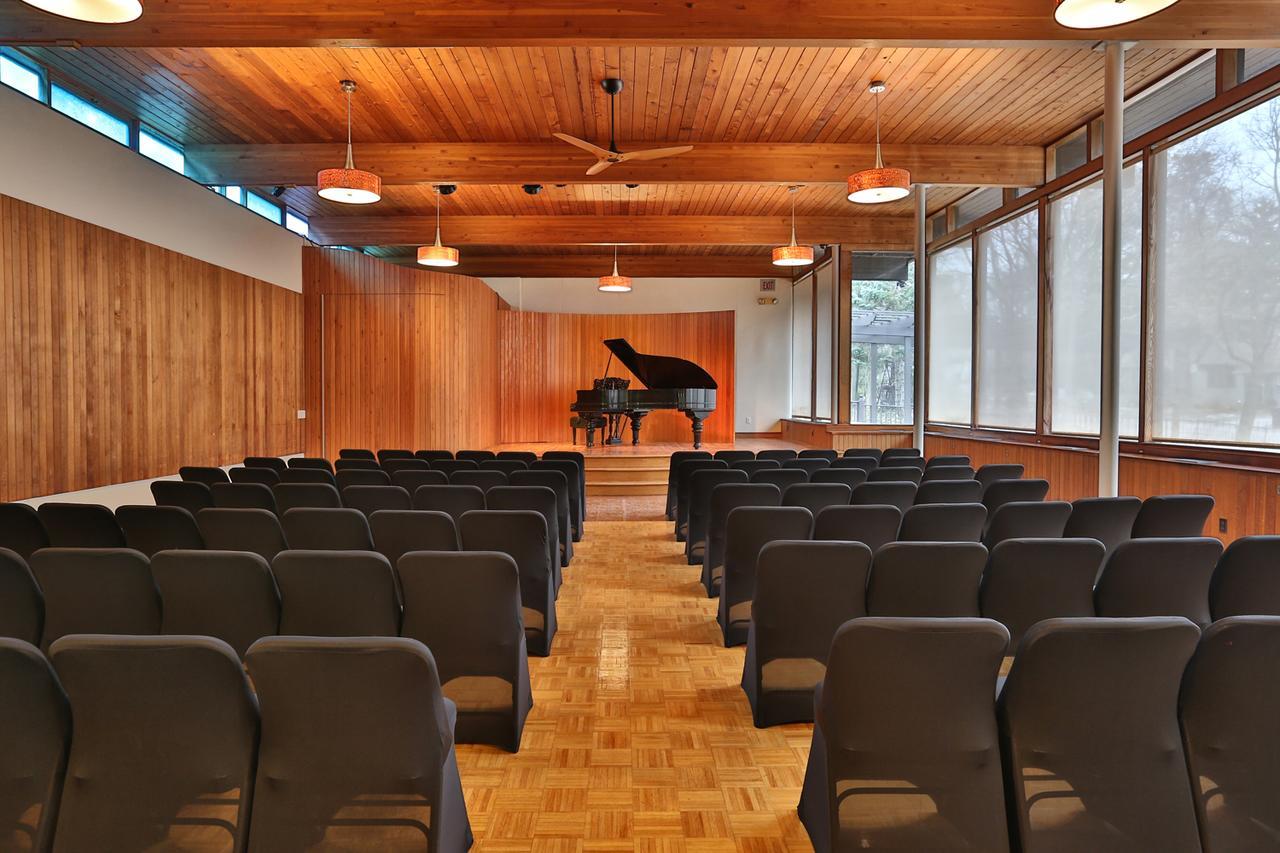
(671, 383)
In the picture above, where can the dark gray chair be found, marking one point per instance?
(541, 500)
(411, 480)
(433, 456)
(916, 462)
(385, 454)
(1091, 747)
(275, 463)
(1030, 580)
(1003, 492)
(158, 528)
(683, 475)
(244, 496)
(254, 530)
(392, 466)
(21, 530)
(340, 465)
(357, 453)
(864, 453)
(315, 462)
(1027, 520)
(947, 462)
(856, 463)
(505, 466)
(819, 453)
(732, 456)
(988, 474)
(207, 474)
(701, 485)
(452, 500)
(936, 473)
(577, 502)
(465, 607)
(1230, 711)
(1109, 520)
(905, 752)
(313, 529)
(230, 595)
(522, 535)
(35, 736)
(336, 594)
(807, 464)
(21, 602)
(896, 474)
(816, 497)
(476, 456)
(900, 494)
(75, 525)
(747, 530)
(943, 523)
(95, 591)
(397, 532)
(528, 457)
(900, 453)
(362, 732)
(1247, 580)
(571, 456)
(874, 525)
(556, 482)
(851, 477)
(363, 477)
(305, 476)
(751, 466)
(370, 499)
(777, 455)
(804, 592)
(1159, 577)
(306, 496)
(1164, 516)
(483, 480)
(949, 492)
(725, 498)
(165, 740)
(781, 478)
(261, 476)
(926, 579)
(192, 497)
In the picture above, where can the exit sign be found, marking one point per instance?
(768, 285)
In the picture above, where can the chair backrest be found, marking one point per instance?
(900, 494)
(450, 499)
(483, 480)
(701, 485)
(506, 466)
(1002, 492)
(570, 456)
(1026, 520)
(158, 528)
(819, 453)
(1109, 520)
(1172, 515)
(521, 534)
(727, 497)
(230, 595)
(327, 529)
(275, 463)
(95, 591)
(673, 464)
(1159, 577)
(385, 454)
(909, 730)
(433, 456)
(391, 466)
(943, 523)
(21, 530)
(244, 496)
(410, 481)
(804, 592)
(1230, 711)
(397, 532)
(851, 477)
(370, 499)
(207, 474)
(336, 594)
(541, 500)
(947, 472)
(35, 735)
(816, 497)
(858, 463)
(988, 474)
(263, 476)
(875, 453)
(572, 472)
(318, 476)
(192, 497)
(1247, 580)
(747, 530)
(345, 720)
(349, 477)
(1092, 750)
(21, 602)
(311, 462)
(476, 455)
(340, 465)
(926, 579)
(254, 530)
(807, 464)
(947, 462)
(306, 495)
(896, 474)
(356, 453)
(528, 457)
(165, 728)
(900, 453)
(1030, 580)
(732, 456)
(449, 467)
(777, 455)
(75, 525)
(781, 478)
(751, 466)
(949, 492)
(874, 525)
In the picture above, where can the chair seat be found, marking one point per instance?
(717, 573)
(479, 692)
(792, 674)
(740, 612)
(893, 812)
(533, 619)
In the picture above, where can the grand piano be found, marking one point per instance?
(671, 383)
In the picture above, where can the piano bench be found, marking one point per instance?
(577, 423)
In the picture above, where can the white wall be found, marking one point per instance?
(59, 164)
(762, 333)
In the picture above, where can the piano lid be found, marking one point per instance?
(660, 371)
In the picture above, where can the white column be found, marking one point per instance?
(1112, 167)
(922, 337)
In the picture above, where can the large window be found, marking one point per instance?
(884, 336)
(824, 340)
(1007, 300)
(1216, 283)
(22, 77)
(264, 208)
(950, 334)
(164, 153)
(89, 115)
(802, 348)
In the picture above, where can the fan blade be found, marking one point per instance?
(599, 167)
(655, 153)
(595, 150)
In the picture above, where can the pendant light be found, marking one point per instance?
(881, 184)
(93, 11)
(1094, 14)
(349, 185)
(439, 255)
(614, 283)
(792, 255)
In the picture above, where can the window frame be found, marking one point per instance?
(131, 125)
(22, 61)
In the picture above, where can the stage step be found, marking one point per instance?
(620, 461)
(625, 489)
(613, 474)
(627, 475)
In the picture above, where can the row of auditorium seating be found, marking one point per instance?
(318, 586)
(1108, 736)
(119, 743)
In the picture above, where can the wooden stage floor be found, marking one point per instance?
(648, 449)
(640, 738)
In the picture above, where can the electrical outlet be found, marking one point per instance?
(302, 414)
(748, 421)
(1222, 525)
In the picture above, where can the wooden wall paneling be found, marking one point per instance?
(547, 357)
(124, 361)
(844, 436)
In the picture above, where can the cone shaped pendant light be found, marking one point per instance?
(349, 185)
(881, 184)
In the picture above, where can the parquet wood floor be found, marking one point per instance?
(640, 738)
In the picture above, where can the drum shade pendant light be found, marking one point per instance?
(792, 255)
(438, 255)
(881, 184)
(1093, 14)
(349, 185)
(93, 11)
(614, 283)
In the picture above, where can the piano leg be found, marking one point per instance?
(696, 418)
(591, 432)
(636, 418)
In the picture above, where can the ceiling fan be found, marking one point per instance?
(606, 157)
